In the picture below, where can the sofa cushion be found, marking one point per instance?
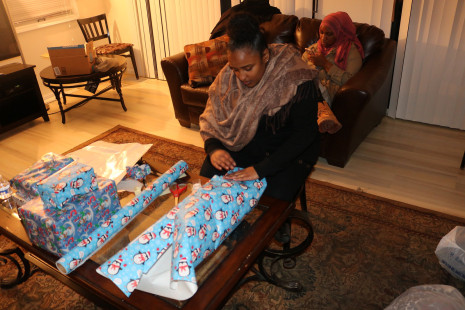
(194, 96)
(280, 29)
(205, 60)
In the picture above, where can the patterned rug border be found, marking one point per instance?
(395, 203)
(139, 132)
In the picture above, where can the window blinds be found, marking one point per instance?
(26, 11)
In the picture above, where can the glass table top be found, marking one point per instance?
(157, 209)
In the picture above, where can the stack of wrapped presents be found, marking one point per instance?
(66, 202)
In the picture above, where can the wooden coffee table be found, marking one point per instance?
(217, 275)
(58, 84)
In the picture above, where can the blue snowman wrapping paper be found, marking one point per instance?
(86, 248)
(138, 172)
(25, 182)
(59, 230)
(190, 232)
(70, 181)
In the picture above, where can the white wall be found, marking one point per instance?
(122, 21)
(34, 45)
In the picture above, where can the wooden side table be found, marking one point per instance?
(20, 97)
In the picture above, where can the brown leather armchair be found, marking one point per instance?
(359, 105)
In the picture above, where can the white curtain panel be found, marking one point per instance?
(190, 21)
(300, 8)
(432, 85)
(176, 23)
(146, 64)
(303, 8)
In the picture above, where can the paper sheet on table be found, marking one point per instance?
(158, 280)
(110, 160)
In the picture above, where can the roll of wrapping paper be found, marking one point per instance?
(87, 247)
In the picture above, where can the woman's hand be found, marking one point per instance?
(221, 159)
(246, 174)
(320, 61)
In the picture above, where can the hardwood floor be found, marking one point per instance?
(406, 161)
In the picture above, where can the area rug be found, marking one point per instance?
(367, 250)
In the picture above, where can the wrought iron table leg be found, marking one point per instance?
(285, 237)
(288, 252)
(63, 95)
(116, 83)
(6, 256)
(57, 91)
(303, 218)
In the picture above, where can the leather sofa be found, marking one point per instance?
(359, 105)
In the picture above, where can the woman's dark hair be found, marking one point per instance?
(244, 31)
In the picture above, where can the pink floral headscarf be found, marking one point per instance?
(343, 28)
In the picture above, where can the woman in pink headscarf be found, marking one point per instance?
(337, 55)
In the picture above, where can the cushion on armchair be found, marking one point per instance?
(206, 59)
(112, 48)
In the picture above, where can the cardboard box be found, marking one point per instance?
(72, 60)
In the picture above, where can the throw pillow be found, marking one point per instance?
(206, 59)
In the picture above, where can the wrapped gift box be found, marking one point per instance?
(61, 187)
(59, 230)
(25, 182)
(138, 172)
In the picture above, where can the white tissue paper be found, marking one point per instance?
(110, 160)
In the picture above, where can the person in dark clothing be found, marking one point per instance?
(261, 114)
(260, 9)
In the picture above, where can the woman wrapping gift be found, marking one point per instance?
(261, 113)
(338, 56)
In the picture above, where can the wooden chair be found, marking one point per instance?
(96, 28)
